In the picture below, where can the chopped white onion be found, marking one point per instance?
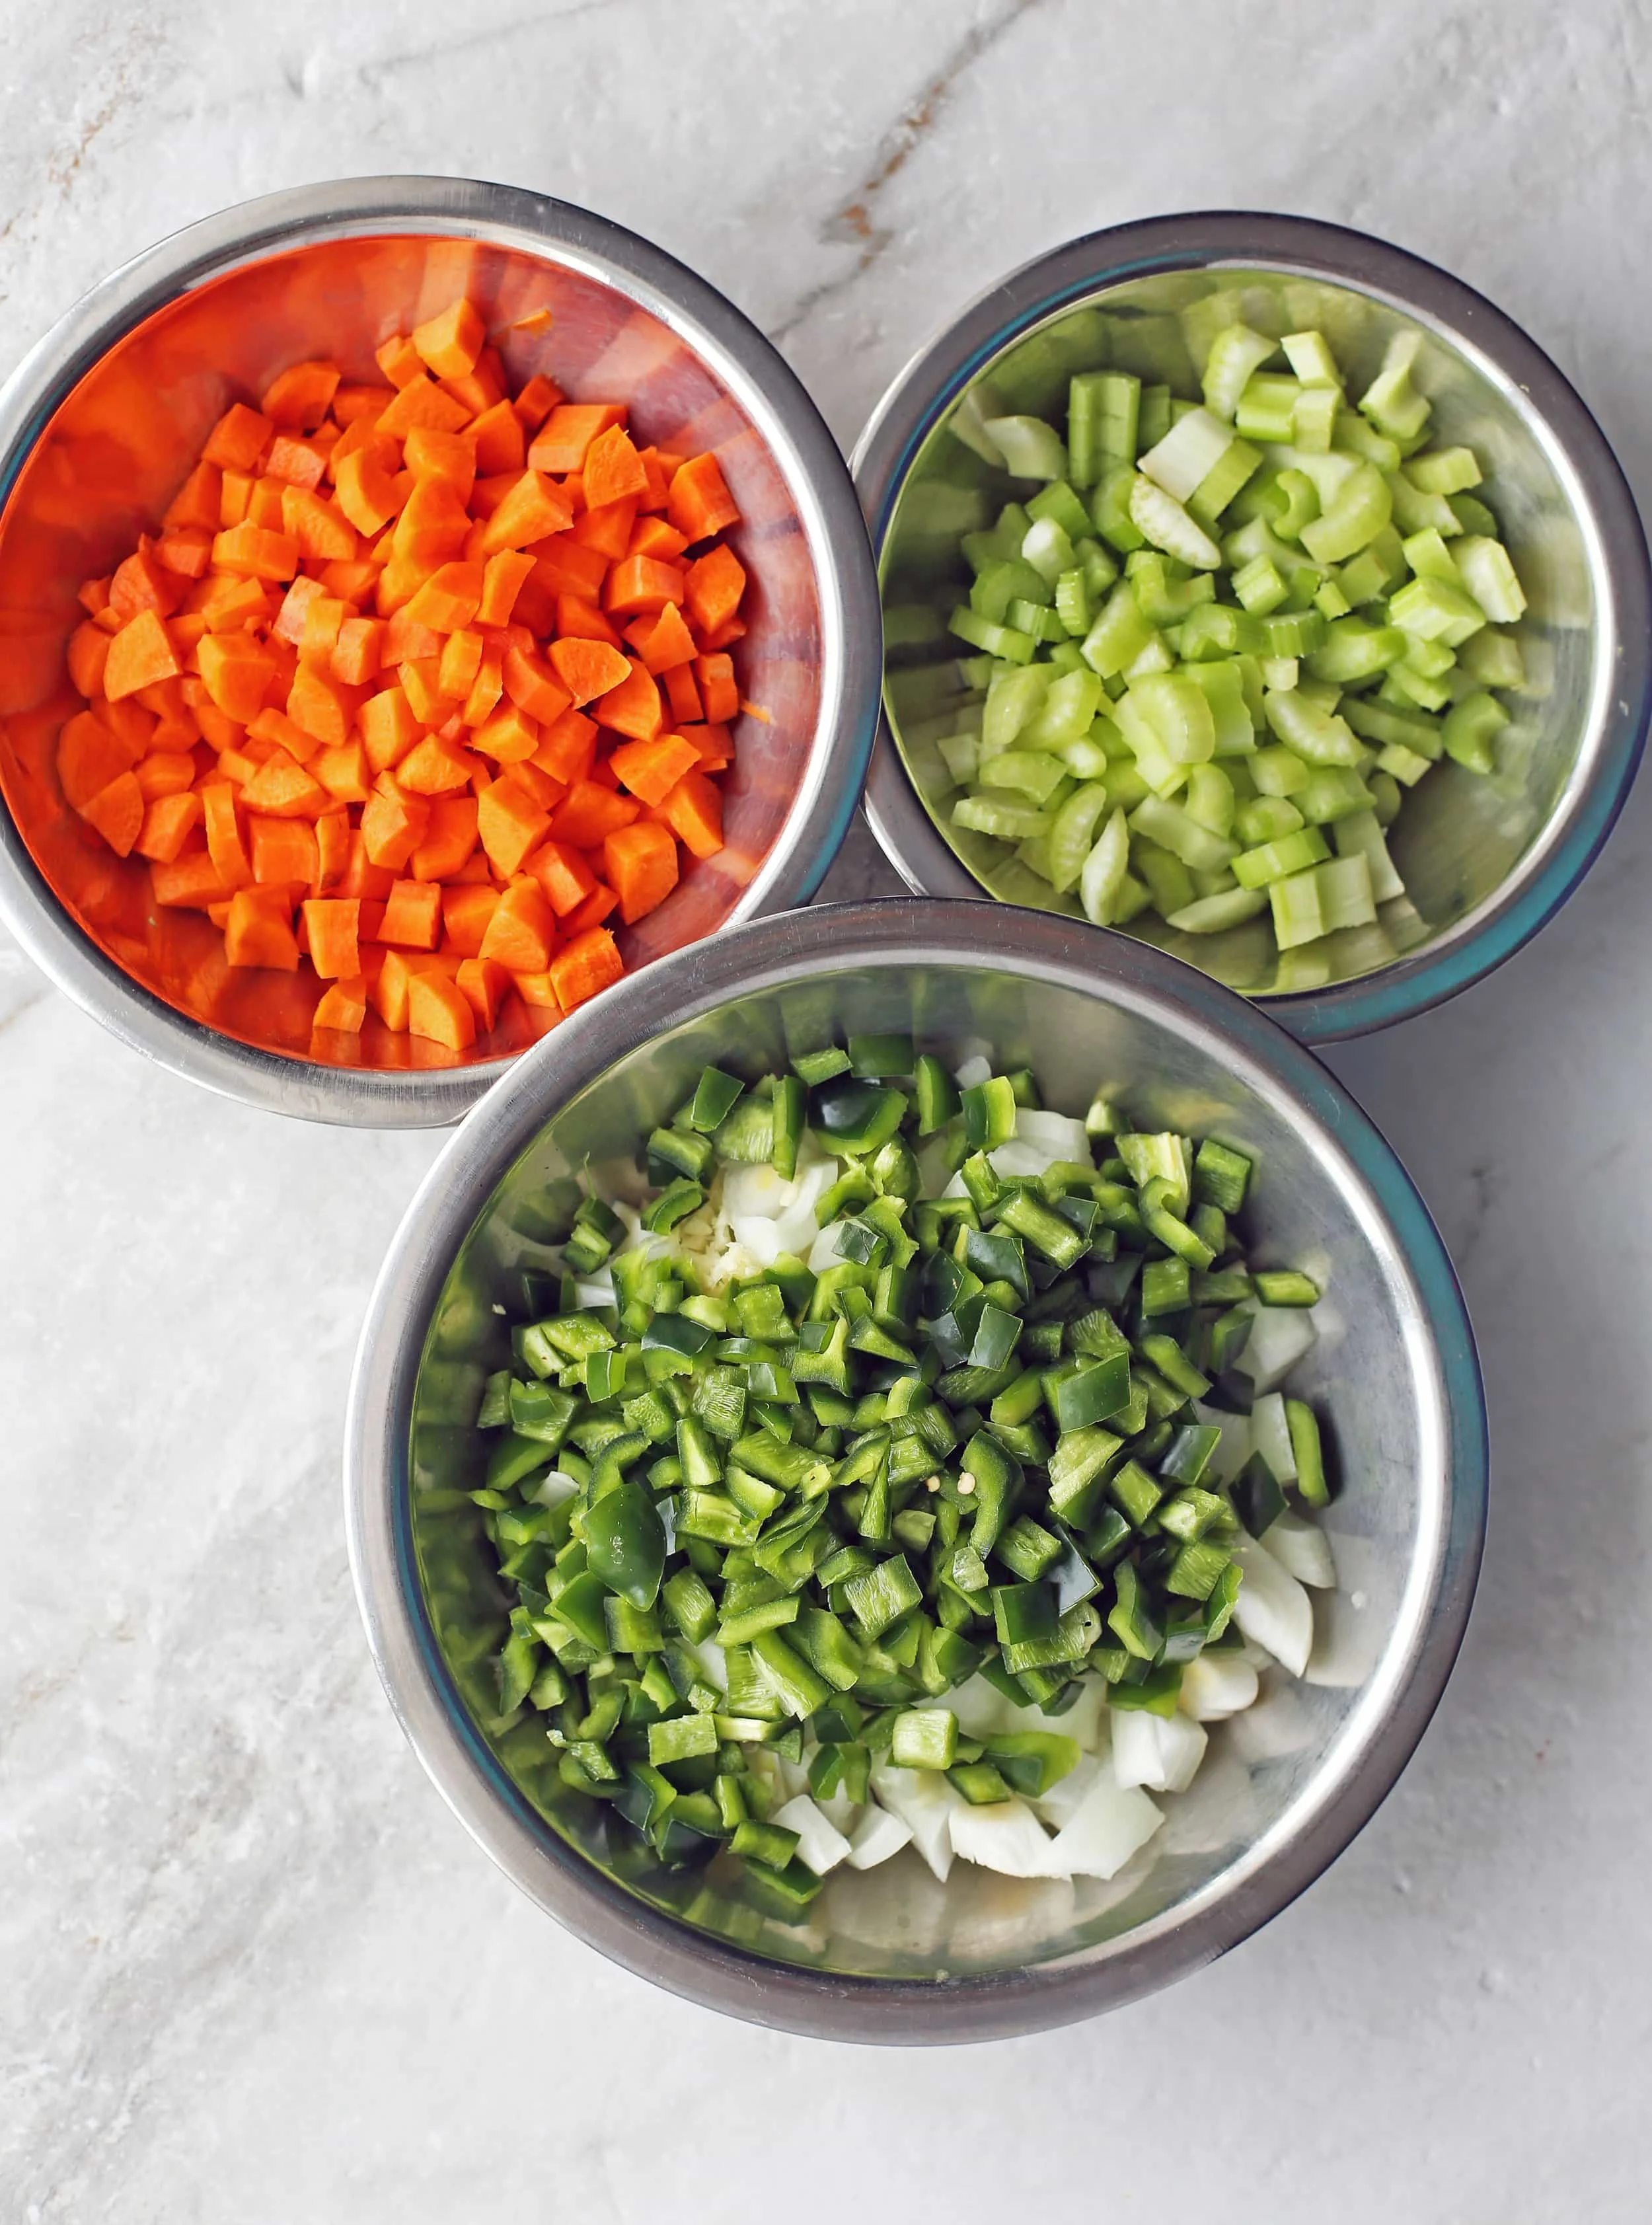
(596, 1290)
(1068, 1795)
(549, 1489)
(974, 1070)
(1058, 1133)
(1235, 1448)
(1272, 1607)
(1105, 1829)
(924, 1800)
(1159, 1752)
(877, 1836)
(1303, 1548)
(820, 1845)
(1006, 1836)
(1218, 1685)
(1271, 1435)
(1278, 1337)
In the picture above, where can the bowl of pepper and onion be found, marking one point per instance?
(909, 1495)
(1259, 590)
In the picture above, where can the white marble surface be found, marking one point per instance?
(250, 1970)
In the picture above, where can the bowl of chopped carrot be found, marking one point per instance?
(421, 604)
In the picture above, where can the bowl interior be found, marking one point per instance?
(117, 446)
(1375, 1373)
(1457, 845)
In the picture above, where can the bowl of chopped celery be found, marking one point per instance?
(1258, 589)
(911, 1493)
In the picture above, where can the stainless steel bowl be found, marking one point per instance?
(888, 1955)
(99, 423)
(1485, 862)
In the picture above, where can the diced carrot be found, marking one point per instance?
(294, 614)
(566, 747)
(239, 438)
(367, 493)
(596, 908)
(342, 1006)
(500, 443)
(712, 745)
(536, 401)
(224, 843)
(532, 510)
(713, 638)
(400, 361)
(449, 840)
(567, 568)
(164, 772)
(295, 461)
(88, 654)
(412, 915)
(167, 821)
(89, 756)
(485, 986)
(387, 991)
(358, 652)
(538, 993)
(360, 876)
(545, 792)
(579, 620)
(532, 687)
(567, 435)
(608, 530)
(460, 662)
(431, 769)
(588, 965)
(465, 913)
(130, 724)
(611, 469)
(191, 882)
(521, 931)
(634, 707)
(451, 342)
(643, 583)
(486, 689)
(333, 839)
(438, 1010)
(682, 697)
(668, 643)
(421, 678)
(700, 503)
(264, 503)
(716, 582)
(652, 769)
(405, 640)
(588, 814)
(302, 395)
(652, 536)
(641, 863)
(509, 736)
(257, 552)
(449, 456)
(503, 578)
(563, 874)
(422, 402)
(324, 620)
(283, 850)
(331, 925)
(197, 502)
(510, 824)
(321, 706)
(260, 930)
(716, 677)
(185, 551)
(693, 811)
(393, 825)
(235, 498)
(448, 599)
(233, 604)
(116, 811)
(322, 531)
(588, 669)
(432, 525)
(388, 727)
(140, 653)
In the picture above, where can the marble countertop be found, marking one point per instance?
(251, 1968)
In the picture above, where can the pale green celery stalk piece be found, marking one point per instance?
(1133, 896)
(1180, 714)
(1445, 470)
(1278, 771)
(1070, 704)
(1073, 837)
(968, 424)
(1402, 764)
(1489, 574)
(1103, 875)
(1176, 830)
(1267, 409)
(1010, 823)
(1157, 657)
(1279, 672)
(1324, 694)
(1414, 509)
(1353, 650)
(1360, 833)
(1212, 915)
(1119, 635)
(1329, 472)
(1315, 735)
(1169, 884)
(1345, 892)
(1493, 659)
(1035, 774)
(1087, 758)
(1296, 909)
(1222, 685)
(1262, 819)
(1436, 611)
(1471, 728)
(1011, 700)
(1429, 558)
(1301, 503)
(1435, 658)
(1047, 549)
(1031, 449)
(1210, 798)
(960, 753)
(1191, 450)
(1279, 859)
(1103, 408)
(1161, 520)
(1238, 464)
(1162, 773)
(1354, 437)
(1314, 421)
(1361, 508)
(998, 641)
(1311, 360)
(1237, 354)
(1259, 587)
(1391, 402)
